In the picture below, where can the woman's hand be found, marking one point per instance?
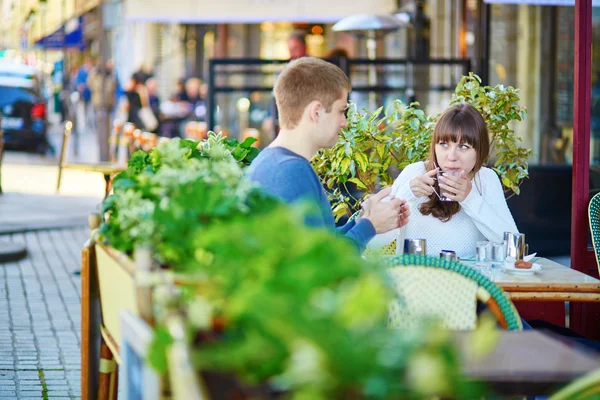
(456, 188)
(422, 185)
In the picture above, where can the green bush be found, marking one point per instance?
(375, 141)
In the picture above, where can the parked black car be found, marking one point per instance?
(23, 116)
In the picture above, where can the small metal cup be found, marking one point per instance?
(515, 245)
(448, 255)
(415, 246)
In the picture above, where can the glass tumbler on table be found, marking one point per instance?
(498, 255)
(483, 258)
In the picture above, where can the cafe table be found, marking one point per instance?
(526, 363)
(554, 282)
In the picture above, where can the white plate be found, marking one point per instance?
(511, 269)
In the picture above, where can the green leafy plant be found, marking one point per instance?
(273, 301)
(500, 107)
(374, 143)
(177, 188)
(298, 309)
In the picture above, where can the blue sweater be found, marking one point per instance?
(290, 177)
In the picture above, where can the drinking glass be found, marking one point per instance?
(498, 254)
(483, 252)
(445, 173)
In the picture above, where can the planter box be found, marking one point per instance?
(118, 290)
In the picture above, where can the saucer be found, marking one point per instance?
(511, 269)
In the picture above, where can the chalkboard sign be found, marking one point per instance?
(141, 381)
(565, 66)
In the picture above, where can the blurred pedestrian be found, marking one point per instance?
(179, 94)
(85, 95)
(134, 101)
(297, 49)
(297, 45)
(154, 100)
(337, 52)
(192, 90)
(102, 83)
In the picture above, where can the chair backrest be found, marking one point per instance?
(594, 221)
(387, 250)
(447, 290)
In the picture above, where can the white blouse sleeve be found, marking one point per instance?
(486, 205)
(400, 190)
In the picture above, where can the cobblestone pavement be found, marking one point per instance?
(40, 317)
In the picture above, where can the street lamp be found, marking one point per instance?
(371, 27)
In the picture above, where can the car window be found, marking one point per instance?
(10, 95)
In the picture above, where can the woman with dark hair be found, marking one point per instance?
(463, 206)
(134, 100)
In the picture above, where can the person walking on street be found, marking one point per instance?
(85, 95)
(103, 85)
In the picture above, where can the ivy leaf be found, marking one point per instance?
(414, 124)
(359, 184)
(362, 161)
(344, 165)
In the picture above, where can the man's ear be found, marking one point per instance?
(315, 108)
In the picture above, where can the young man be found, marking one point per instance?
(312, 99)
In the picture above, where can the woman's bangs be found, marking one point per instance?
(457, 134)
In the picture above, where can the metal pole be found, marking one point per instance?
(372, 55)
(580, 259)
(103, 123)
(211, 97)
(485, 14)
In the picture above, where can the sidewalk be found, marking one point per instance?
(40, 317)
(40, 295)
(30, 200)
(21, 212)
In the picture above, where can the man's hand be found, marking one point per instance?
(385, 214)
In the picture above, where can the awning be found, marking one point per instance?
(69, 35)
(595, 3)
(255, 11)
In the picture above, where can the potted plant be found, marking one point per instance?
(288, 311)
(373, 143)
(165, 194)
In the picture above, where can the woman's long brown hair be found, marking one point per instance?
(461, 123)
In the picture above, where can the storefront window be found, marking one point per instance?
(595, 106)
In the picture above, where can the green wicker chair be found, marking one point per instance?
(430, 286)
(594, 219)
(586, 387)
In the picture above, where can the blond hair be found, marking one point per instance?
(305, 80)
